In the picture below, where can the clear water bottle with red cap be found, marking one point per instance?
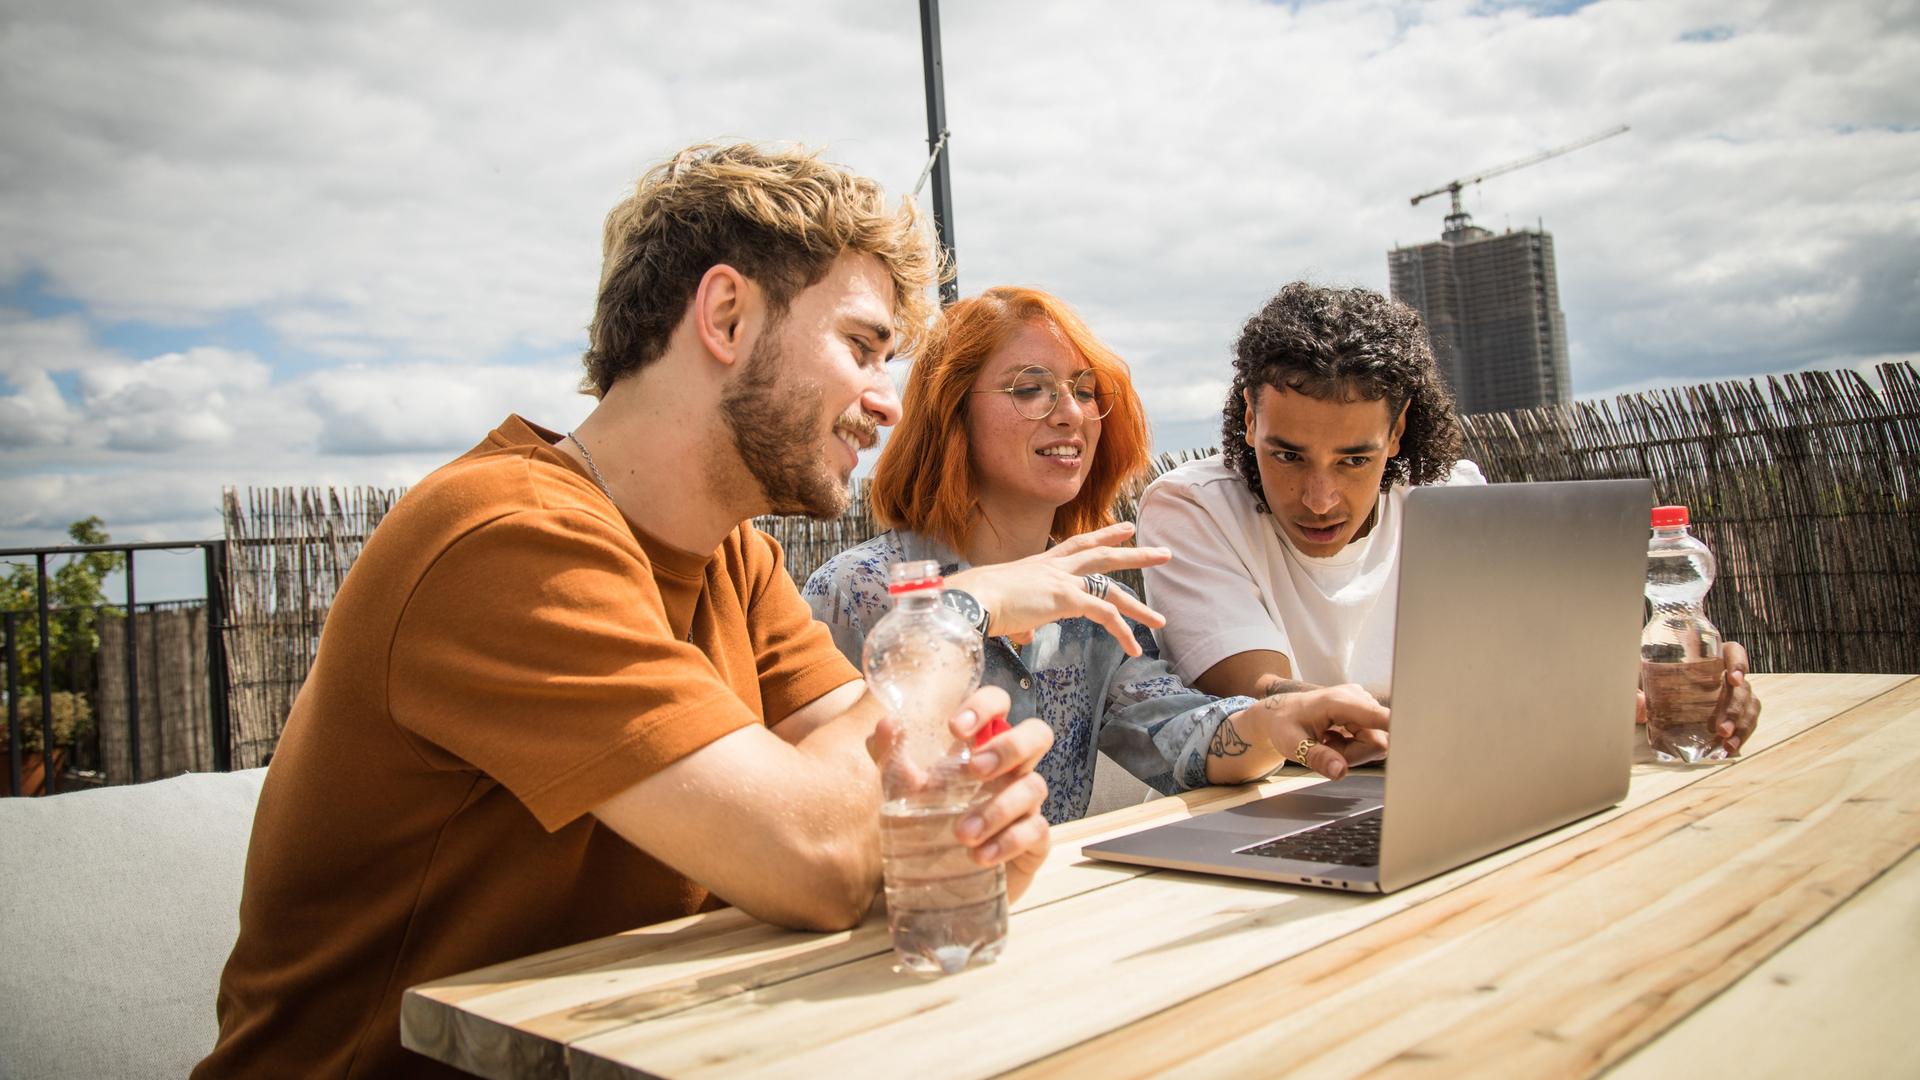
(1681, 667)
(946, 912)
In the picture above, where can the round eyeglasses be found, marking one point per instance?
(1036, 393)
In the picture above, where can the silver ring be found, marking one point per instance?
(1097, 585)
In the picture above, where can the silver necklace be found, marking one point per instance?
(602, 481)
(588, 454)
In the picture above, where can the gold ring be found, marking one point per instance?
(1300, 752)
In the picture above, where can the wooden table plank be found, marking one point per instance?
(1138, 947)
(1564, 963)
(1849, 986)
(513, 1019)
(517, 1015)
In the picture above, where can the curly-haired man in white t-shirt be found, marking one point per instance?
(1287, 544)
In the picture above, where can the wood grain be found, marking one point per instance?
(1838, 1001)
(1095, 947)
(1566, 962)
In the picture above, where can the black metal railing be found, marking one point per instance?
(214, 553)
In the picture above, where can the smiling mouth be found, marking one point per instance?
(1060, 453)
(857, 436)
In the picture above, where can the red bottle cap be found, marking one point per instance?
(913, 575)
(1666, 517)
(989, 730)
(907, 585)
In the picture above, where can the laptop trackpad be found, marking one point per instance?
(1294, 810)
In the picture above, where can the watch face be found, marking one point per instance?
(965, 605)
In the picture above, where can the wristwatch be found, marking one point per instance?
(967, 607)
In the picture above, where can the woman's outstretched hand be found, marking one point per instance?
(1031, 592)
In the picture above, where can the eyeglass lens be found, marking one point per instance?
(1035, 392)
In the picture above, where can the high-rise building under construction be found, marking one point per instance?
(1492, 306)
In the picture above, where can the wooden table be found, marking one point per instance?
(1754, 918)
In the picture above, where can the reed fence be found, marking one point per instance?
(1805, 489)
(288, 550)
(1805, 492)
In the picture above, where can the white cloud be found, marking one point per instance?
(35, 414)
(30, 344)
(407, 199)
(419, 407)
(175, 401)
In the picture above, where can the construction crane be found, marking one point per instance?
(1458, 218)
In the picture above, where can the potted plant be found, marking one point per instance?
(72, 722)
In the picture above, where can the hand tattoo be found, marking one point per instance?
(1227, 742)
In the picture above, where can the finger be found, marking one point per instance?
(1365, 747)
(1749, 713)
(1739, 717)
(1017, 751)
(1354, 711)
(1022, 840)
(1028, 861)
(1012, 802)
(1640, 707)
(1132, 607)
(1327, 760)
(1735, 655)
(1102, 560)
(979, 709)
(886, 733)
(1117, 533)
(1084, 605)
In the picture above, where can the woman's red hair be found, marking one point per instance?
(924, 480)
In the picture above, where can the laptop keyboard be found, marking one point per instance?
(1353, 841)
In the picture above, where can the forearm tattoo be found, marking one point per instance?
(1227, 742)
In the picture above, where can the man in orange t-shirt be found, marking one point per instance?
(567, 690)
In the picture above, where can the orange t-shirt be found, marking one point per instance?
(506, 654)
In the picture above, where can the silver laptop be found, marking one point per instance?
(1516, 656)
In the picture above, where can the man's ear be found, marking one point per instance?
(1399, 429)
(723, 310)
(1246, 398)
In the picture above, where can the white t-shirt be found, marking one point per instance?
(1236, 584)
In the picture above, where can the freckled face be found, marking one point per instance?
(1016, 460)
(1321, 463)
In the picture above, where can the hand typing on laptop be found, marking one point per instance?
(1325, 728)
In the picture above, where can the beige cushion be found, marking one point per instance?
(117, 910)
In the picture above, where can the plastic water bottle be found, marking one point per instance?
(1681, 668)
(922, 659)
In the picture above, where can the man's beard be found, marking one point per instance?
(773, 421)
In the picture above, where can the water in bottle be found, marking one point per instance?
(946, 912)
(1681, 668)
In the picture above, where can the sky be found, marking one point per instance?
(312, 243)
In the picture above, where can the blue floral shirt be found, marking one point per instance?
(1073, 675)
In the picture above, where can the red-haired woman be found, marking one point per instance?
(1019, 428)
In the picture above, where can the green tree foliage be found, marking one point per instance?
(74, 598)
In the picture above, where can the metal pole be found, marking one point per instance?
(217, 655)
(133, 680)
(46, 674)
(13, 703)
(159, 675)
(936, 128)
